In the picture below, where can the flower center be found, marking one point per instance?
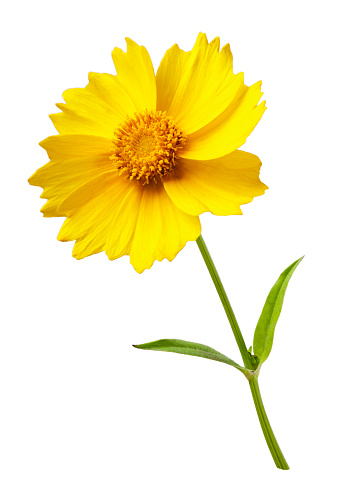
(146, 146)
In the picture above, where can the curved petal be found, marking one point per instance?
(91, 222)
(136, 75)
(96, 109)
(169, 74)
(87, 191)
(230, 129)
(197, 86)
(149, 227)
(74, 146)
(219, 186)
(74, 161)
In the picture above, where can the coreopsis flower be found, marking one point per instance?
(140, 156)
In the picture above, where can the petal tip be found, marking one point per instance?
(131, 43)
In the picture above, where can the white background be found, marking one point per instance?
(77, 402)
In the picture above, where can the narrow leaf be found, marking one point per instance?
(265, 329)
(189, 348)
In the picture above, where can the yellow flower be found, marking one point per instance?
(139, 156)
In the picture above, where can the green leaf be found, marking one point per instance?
(190, 348)
(265, 329)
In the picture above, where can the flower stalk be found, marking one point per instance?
(270, 438)
(225, 302)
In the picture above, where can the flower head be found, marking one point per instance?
(140, 156)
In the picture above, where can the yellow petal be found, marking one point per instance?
(75, 159)
(168, 76)
(136, 75)
(75, 146)
(91, 222)
(230, 129)
(122, 231)
(88, 191)
(96, 109)
(219, 186)
(149, 227)
(196, 87)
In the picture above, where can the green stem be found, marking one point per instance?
(270, 438)
(225, 301)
